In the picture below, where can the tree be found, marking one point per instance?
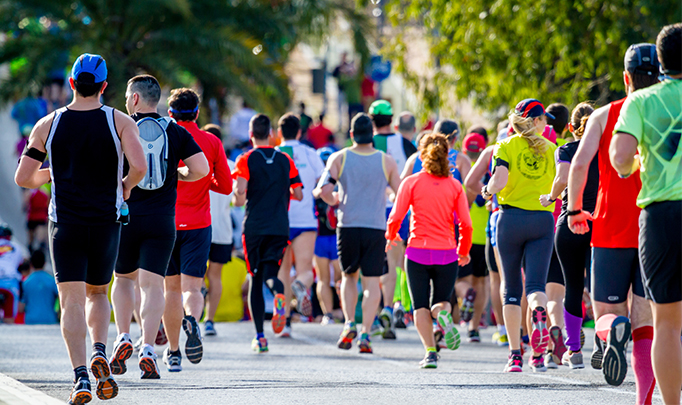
(498, 52)
(233, 46)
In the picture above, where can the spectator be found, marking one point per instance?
(39, 293)
(319, 135)
(10, 260)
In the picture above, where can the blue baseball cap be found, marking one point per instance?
(642, 59)
(531, 108)
(89, 63)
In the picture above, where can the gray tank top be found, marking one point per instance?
(362, 191)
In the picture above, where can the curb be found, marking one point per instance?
(12, 392)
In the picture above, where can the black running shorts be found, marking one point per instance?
(220, 253)
(660, 238)
(263, 248)
(614, 270)
(190, 253)
(84, 253)
(555, 274)
(477, 266)
(364, 249)
(490, 256)
(430, 284)
(146, 243)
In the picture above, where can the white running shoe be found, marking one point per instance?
(148, 367)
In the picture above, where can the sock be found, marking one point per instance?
(176, 353)
(288, 323)
(502, 329)
(573, 325)
(81, 372)
(389, 309)
(603, 325)
(641, 363)
(431, 350)
(260, 335)
(525, 339)
(99, 347)
(518, 352)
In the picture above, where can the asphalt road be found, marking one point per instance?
(309, 368)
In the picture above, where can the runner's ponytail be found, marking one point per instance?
(434, 150)
(525, 127)
(581, 113)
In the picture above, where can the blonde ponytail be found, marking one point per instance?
(526, 128)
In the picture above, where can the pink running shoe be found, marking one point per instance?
(539, 338)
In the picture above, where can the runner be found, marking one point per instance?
(461, 164)
(302, 221)
(187, 266)
(265, 180)
(650, 122)
(400, 149)
(522, 171)
(84, 210)
(362, 174)
(407, 126)
(147, 241)
(573, 250)
(432, 252)
(221, 243)
(615, 265)
(326, 255)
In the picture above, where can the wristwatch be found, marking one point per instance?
(485, 192)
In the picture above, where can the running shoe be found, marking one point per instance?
(286, 332)
(386, 319)
(209, 329)
(161, 338)
(138, 343)
(147, 361)
(106, 385)
(549, 361)
(615, 365)
(376, 328)
(438, 337)
(81, 393)
(503, 341)
(194, 349)
(123, 350)
(172, 361)
(515, 364)
(597, 353)
(259, 345)
(364, 344)
(450, 333)
(349, 333)
(539, 338)
(430, 360)
(279, 320)
(466, 312)
(328, 319)
(537, 364)
(303, 304)
(574, 360)
(399, 316)
(473, 336)
(557, 339)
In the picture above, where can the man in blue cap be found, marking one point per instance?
(86, 142)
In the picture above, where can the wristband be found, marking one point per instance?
(551, 199)
(572, 213)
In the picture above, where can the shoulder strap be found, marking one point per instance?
(165, 122)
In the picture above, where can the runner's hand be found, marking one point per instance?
(392, 242)
(485, 194)
(126, 192)
(578, 223)
(464, 260)
(546, 200)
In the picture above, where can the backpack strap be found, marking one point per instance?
(165, 122)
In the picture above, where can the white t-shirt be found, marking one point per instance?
(10, 259)
(221, 218)
(310, 167)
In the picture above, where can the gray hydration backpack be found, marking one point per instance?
(154, 140)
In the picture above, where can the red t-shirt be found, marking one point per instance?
(320, 136)
(193, 208)
(616, 217)
(38, 206)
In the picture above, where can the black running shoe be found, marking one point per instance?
(615, 365)
(597, 353)
(194, 349)
(467, 310)
(106, 385)
(399, 316)
(81, 392)
(473, 336)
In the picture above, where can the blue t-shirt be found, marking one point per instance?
(39, 295)
(452, 157)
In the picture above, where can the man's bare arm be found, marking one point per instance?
(130, 143)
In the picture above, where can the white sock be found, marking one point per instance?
(502, 329)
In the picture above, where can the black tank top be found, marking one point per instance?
(86, 166)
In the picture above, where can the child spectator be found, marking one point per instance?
(39, 293)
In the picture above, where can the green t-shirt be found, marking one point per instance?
(479, 220)
(530, 175)
(654, 117)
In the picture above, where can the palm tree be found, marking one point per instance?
(235, 46)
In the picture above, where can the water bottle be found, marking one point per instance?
(125, 214)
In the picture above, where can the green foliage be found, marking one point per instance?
(237, 46)
(498, 52)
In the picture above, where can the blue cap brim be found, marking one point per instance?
(549, 115)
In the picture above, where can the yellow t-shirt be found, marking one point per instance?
(529, 175)
(479, 220)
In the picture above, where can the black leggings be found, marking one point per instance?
(524, 233)
(267, 272)
(430, 284)
(575, 255)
